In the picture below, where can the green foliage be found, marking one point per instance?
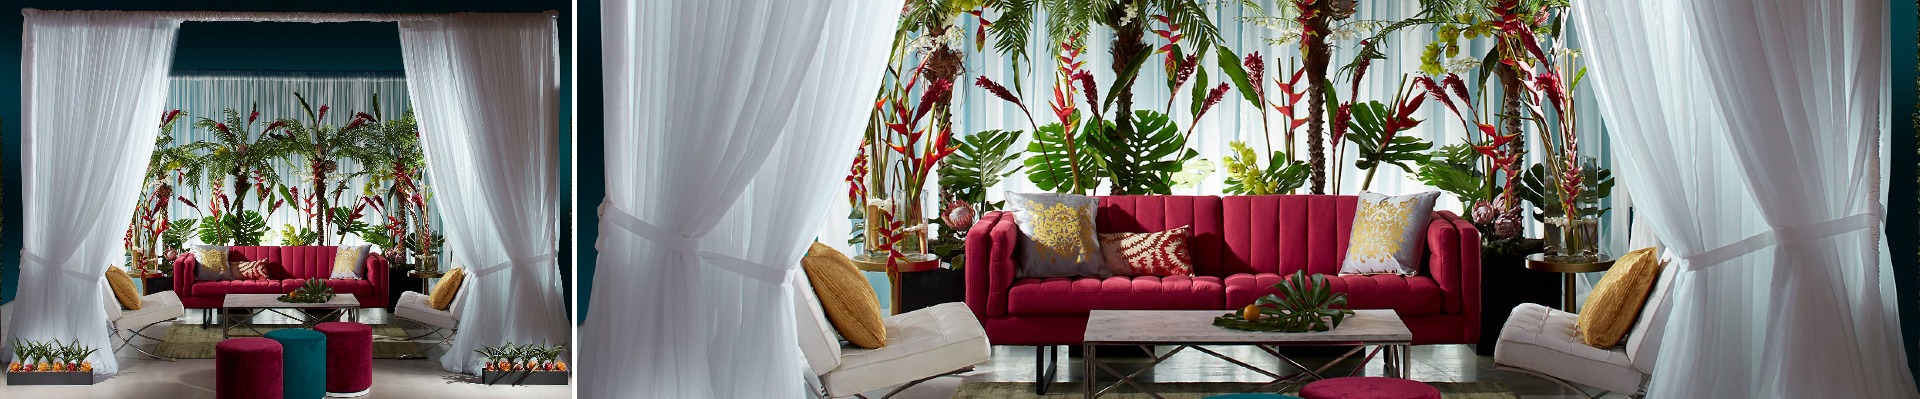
(1455, 169)
(234, 152)
(345, 222)
(244, 228)
(1369, 121)
(1148, 158)
(1536, 186)
(1245, 176)
(1303, 304)
(314, 291)
(1249, 90)
(177, 233)
(1049, 167)
(980, 163)
(296, 236)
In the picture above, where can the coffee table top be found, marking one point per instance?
(1196, 326)
(273, 301)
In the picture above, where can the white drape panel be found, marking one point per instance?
(725, 123)
(93, 85)
(1745, 131)
(486, 91)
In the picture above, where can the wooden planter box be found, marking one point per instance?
(490, 377)
(50, 378)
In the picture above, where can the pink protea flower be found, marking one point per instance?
(1484, 213)
(959, 215)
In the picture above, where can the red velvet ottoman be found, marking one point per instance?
(1368, 388)
(349, 358)
(247, 368)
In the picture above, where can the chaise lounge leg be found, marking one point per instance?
(1046, 360)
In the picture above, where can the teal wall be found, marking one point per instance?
(1901, 227)
(364, 46)
(592, 161)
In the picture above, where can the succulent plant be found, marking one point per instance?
(1304, 303)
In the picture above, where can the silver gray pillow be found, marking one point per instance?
(1056, 235)
(1387, 233)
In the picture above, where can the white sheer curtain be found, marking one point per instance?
(487, 93)
(93, 85)
(1745, 131)
(726, 121)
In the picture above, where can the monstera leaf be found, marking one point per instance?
(1454, 169)
(1369, 126)
(1304, 304)
(244, 229)
(1144, 162)
(1537, 187)
(1049, 167)
(981, 162)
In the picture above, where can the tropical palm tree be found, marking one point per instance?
(322, 146)
(393, 164)
(238, 155)
(151, 215)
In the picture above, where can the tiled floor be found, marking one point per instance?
(143, 377)
(1431, 363)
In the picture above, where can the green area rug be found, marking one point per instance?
(190, 341)
(1195, 390)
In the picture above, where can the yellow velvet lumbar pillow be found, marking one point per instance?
(442, 296)
(1615, 302)
(123, 288)
(844, 294)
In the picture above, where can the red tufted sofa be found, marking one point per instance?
(287, 269)
(1241, 246)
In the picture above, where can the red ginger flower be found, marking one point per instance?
(253, 116)
(323, 112)
(1092, 90)
(1256, 73)
(1213, 97)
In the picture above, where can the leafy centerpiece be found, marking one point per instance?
(1303, 304)
(50, 356)
(314, 291)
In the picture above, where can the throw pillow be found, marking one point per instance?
(123, 288)
(1616, 300)
(347, 260)
(213, 263)
(849, 302)
(1387, 233)
(255, 270)
(1056, 235)
(1147, 254)
(443, 294)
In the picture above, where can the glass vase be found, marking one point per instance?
(913, 224)
(1573, 240)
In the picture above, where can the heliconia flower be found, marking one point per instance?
(169, 116)
(1550, 82)
(1256, 73)
(1091, 90)
(222, 127)
(363, 115)
(1213, 97)
(323, 112)
(940, 90)
(356, 123)
(274, 125)
(1063, 104)
(999, 91)
(253, 116)
(189, 202)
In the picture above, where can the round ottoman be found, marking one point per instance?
(349, 358)
(1369, 388)
(305, 362)
(1252, 396)
(247, 368)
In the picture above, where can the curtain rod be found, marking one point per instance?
(250, 16)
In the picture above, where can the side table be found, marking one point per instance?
(924, 263)
(426, 279)
(1568, 271)
(152, 283)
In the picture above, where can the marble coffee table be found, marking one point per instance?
(253, 304)
(1182, 329)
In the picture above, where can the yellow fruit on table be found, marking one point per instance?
(1251, 312)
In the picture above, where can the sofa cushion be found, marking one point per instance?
(1056, 235)
(213, 261)
(1387, 233)
(360, 289)
(924, 342)
(1411, 296)
(216, 288)
(1077, 296)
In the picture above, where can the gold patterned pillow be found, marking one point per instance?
(1387, 233)
(1056, 235)
(213, 263)
(346, 261)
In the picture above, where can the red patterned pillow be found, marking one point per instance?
(1147, 254)
(255, 270)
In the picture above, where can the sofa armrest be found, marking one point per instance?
(1453, 250)
(377, 273)
(990, 264)
(183, 269)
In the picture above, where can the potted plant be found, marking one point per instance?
(50, 363)
(523, 365)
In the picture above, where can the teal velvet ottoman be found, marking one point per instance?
(305, 363)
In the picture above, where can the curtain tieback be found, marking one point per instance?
(76, 275)
(690, 246)
(530, 260)
(1787, 236)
